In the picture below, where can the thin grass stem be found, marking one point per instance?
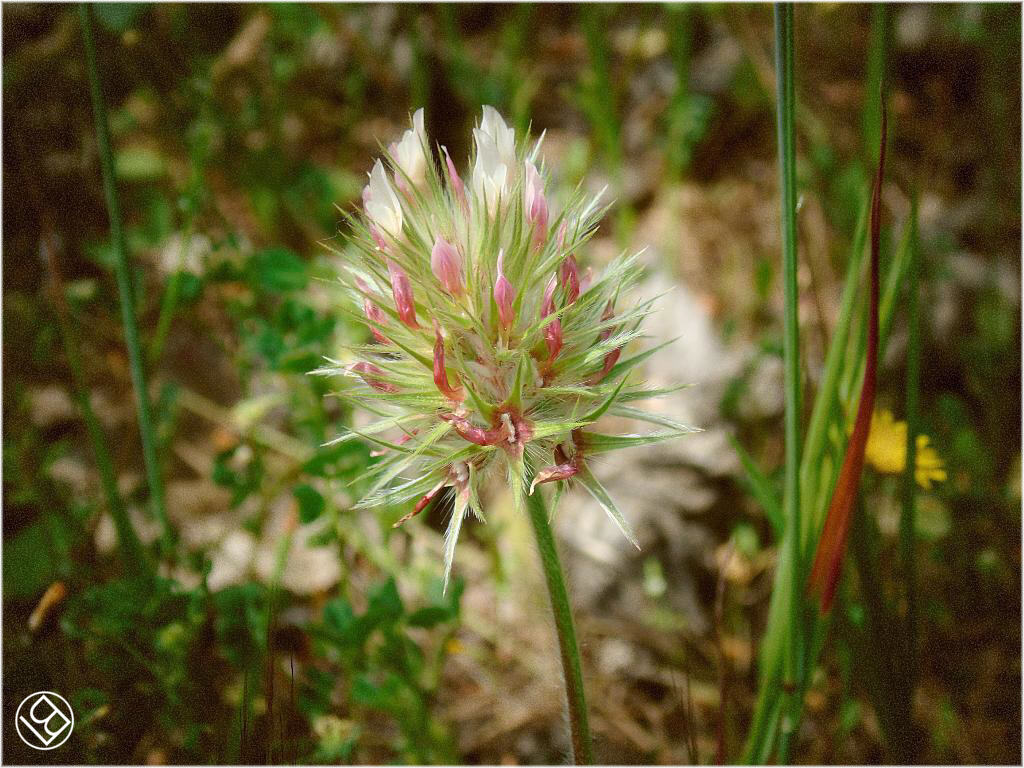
(124, 285)
(132, 552)
(874, 76)
(786, 109)
(782, 647)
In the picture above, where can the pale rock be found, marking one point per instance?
(50, 405)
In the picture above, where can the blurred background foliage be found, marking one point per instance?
(284, 626)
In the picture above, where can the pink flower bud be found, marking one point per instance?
(562, 232)
(553, 338)
(457, 186)
(612, 357)
(370, 373)
(447, 265)
(377, 238)
(609, 362)
(402, 291)
(421, 504)
(549, 297)
(440, 374)
(376, 317)
(553, 473)
(570, 274)
(535, 203)
(504, 295)
(473, 434)
(562, 470)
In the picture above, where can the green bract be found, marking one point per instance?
(493, 353)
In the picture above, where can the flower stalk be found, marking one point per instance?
(572, 668)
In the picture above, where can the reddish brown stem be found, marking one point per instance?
(828, 558)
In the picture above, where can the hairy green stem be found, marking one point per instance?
(572, 668)
(124, 284)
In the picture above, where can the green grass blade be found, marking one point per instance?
(873, 81)
(761, 489)
(817, 430)
(124, 285)
(786, 109)
(782, 657)
(849, 390)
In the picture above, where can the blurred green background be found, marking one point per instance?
(286, 626)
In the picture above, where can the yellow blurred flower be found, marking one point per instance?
(887, 450)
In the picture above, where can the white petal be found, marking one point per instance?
(409, 152)
(383, 205)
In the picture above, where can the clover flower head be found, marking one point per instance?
(492, 356)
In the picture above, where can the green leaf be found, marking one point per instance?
(118, 17)
(311, 503)
(385, 604)
(429, 617)
(343, 625)
(241, 622)
(385, 695)
(277, 270)
(139, 164)
(28, 565)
